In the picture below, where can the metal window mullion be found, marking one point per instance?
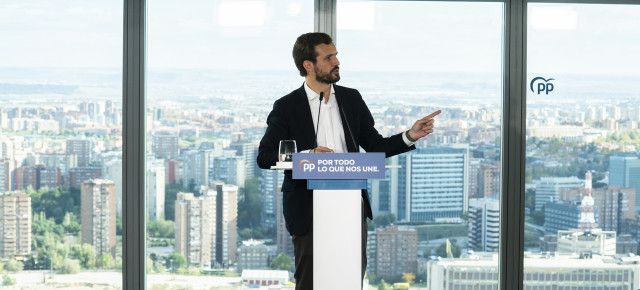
(325, 17)
(513, 147)
(133, 164)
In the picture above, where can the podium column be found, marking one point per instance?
(337, 233)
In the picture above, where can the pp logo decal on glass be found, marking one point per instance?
(542, 85)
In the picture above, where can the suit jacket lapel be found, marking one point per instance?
(303, 113)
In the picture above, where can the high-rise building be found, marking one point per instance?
(205, 226)
(165, 145)
(397, 251)
(83, 148)
(484, 224)
(15, 221)
(36, 177)
(155, 189)
(196, 167)
(113, 171)
(561, 216)
(229, 169)
(550, 188)
(372, 252)
(224, 201)
(283, 238)
(433, 183)
(174, 171)
(624, 171)
(7, 167)
(98, 215)
(78, 175)
(248, 150)
(474, 171)
(489, 179)
(252, 255)
(269, 182)
(62, 161)
(194, 228)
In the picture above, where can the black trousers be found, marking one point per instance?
(303, 253)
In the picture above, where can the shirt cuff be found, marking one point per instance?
(406, 140)
(305, 151)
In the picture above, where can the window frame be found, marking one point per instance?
(512, 146)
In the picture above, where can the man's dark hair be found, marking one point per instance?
(305, 48)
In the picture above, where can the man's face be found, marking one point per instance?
(327, 68)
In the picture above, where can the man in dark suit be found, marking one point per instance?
(323, 117)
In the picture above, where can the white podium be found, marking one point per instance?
(337, 181)
(337, 233)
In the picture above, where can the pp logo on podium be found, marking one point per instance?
(542, 85)
(306, 165)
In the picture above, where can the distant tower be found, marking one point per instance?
(587, 220)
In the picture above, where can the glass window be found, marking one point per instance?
(215, 70)
(61, 143)
(583, 109)
(409, 59)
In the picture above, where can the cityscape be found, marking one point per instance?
(213, 215)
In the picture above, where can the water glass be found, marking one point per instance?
(287, 148)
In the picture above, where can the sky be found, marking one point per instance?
(379, 36)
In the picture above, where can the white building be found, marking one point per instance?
(155, 189)
(484, 224)
(576, 241)
(433, 183)
(541, 271)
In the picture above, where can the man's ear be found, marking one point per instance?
(308, 65)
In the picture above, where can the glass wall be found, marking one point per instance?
(438, 210)
(582, 165)
(61, 143)
(215, 70)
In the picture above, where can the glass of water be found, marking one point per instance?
(287, 148)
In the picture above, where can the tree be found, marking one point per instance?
(281, 262)
(105, 261)
(384, 220)
(408, 277)
(14, 266)
(8, 281)
(70, 266)
(530, 198)
(161, 229)
(171, 195)
(177, 260)
(250, 207)
(442, 249)
(149, 265)
(538, 217)
(383, 285)
(84, 253)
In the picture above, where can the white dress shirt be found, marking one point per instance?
(330, 130)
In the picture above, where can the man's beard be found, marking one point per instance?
(327, 78)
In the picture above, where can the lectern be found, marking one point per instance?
(337, 180)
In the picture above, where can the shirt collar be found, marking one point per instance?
(312, 96)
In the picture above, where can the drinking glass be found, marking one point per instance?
(287, 148)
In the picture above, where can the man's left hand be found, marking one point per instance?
(423, 127)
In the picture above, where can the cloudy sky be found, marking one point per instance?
(372, 36)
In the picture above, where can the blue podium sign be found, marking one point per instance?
(338, 166)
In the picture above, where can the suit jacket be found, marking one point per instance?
(291, 119)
